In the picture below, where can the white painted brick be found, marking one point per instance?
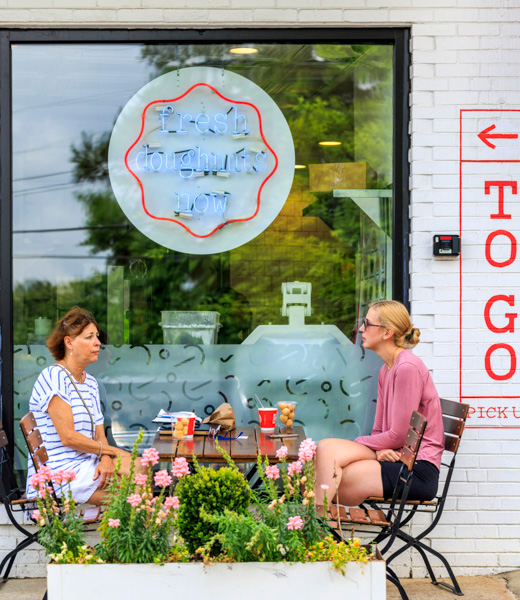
(365, 16)
(94, 16)
(423, 43)
(456, 14)
(508, 560)
(465, 29)
(458, 70)
(149, 15)
(411, 15)
(422, 70)
(318, 16)
(109, 4)
(65, 4)
(435, 57)
(434, 29)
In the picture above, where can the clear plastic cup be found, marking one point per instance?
(287, 413)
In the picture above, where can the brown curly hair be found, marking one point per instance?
(72, 324)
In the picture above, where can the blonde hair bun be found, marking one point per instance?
(395, 316)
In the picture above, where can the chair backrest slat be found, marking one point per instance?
(453, 426)
(459, 410)
(417, 420)
(34, 440)
(451, 444)
(454, 415)
(408, 458)
(40, 457)
(413, 439)
(28, 423)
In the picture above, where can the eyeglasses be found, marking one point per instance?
(366, 324)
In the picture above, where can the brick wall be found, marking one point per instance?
(465, 54)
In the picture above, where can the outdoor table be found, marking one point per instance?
(241, 450)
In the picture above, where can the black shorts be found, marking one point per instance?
(425, 479)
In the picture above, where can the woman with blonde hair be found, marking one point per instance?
(368, 466)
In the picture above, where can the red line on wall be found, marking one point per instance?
(460, 260)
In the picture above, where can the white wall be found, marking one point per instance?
(465, 54)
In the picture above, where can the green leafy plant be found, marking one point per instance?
(218, 516)
(61, 527)
(209, 490)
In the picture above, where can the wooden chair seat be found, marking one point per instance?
(411, 502)
(359, 516)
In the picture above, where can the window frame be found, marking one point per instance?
(398, 37)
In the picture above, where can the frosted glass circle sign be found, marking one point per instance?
(201, 160)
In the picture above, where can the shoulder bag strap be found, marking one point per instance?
(81, 398)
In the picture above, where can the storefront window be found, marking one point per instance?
(189, 331)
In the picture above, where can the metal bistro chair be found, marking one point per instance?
(454, 415)
(14, 501)
(385, 525)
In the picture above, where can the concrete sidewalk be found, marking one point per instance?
(505, 586)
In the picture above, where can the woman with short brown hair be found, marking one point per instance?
(65, 402)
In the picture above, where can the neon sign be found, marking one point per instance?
(201, 160)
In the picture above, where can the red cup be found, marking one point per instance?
(191, 427)
(267, 419)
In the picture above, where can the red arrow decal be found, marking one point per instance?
(485, 136)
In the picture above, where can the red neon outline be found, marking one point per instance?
(143, 202)
(461, 161)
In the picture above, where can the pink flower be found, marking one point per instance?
(58, 477)
(45, 473)
(140, 479)
(281, 452)
(307, 450)
(67, 476)
(162, 478)
(134, 500)
(180, 467)
(150, 456)
(325, 487)
(295, 523)
(35, 481)
(295, 467)
(171, 502)
(36, 515)
(272, 472)
(114, 523)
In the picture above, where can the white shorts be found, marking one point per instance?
(84, 485)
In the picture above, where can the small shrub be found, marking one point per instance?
(212, 491)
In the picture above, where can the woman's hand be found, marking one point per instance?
(388, 455)
(104, 470)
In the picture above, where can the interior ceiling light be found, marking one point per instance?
(300, 166)
(243, 50)
(329, 143)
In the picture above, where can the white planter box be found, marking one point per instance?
(237, 581)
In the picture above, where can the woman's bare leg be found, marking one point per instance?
(100, 497)
(332, 456)
(359, 481)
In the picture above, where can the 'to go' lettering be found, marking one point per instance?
(509, 327)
